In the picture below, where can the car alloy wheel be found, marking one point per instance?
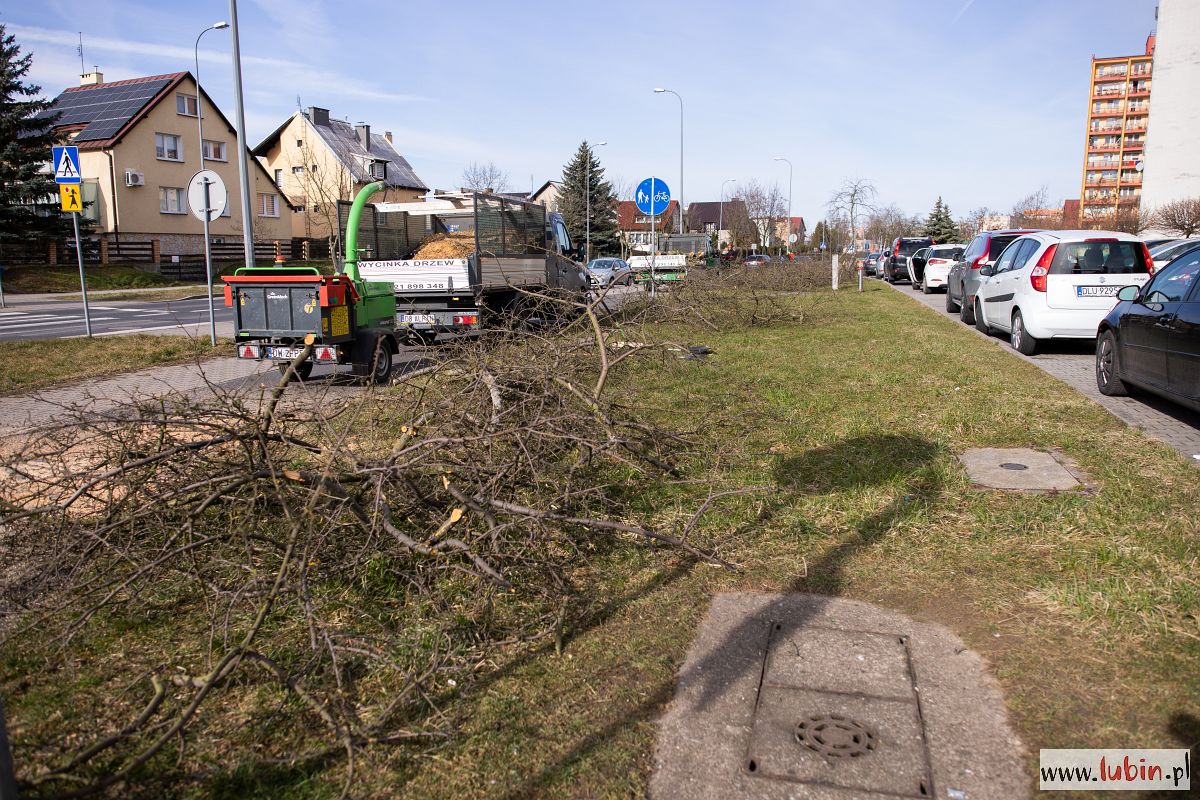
(1104, 362)
(1108, 367)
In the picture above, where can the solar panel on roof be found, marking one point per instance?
(105, 109)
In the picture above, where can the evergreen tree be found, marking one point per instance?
(26, 210)
(581, 176)
(940, 226)
(818, 235)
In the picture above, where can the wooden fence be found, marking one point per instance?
(15, 254)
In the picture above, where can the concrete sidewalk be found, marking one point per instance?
(21, 413)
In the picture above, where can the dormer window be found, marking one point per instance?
(377, 170)
(186, 105)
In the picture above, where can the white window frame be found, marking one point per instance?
(186, 100)
(268, 204)
(162, 153)
(164, 202)
(209, 152)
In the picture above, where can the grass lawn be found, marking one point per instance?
(1086, 604)
(46, 279)
(37, 364)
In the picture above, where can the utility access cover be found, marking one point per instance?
(838, 708)
(1019, 469)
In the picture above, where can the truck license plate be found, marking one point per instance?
(284, 353)
(409, 319)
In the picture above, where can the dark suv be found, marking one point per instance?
(963, 281)
(895, 266)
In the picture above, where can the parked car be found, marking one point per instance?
(916, 266)
(605, 272)
(1153, 243)
(756, 260)
(962, 281)
(1167, 252)
(870, 264)
(1057, 284)
(895, 266)
(1151, 337)
(935, 266)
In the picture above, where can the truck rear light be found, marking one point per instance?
(466, 319)
(328, 354)
(247, 351)
(1037, 278)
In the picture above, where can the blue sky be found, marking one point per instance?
(980, 101)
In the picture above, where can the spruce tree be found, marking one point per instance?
(818, 235)
(940, 226)
(583, 175)
(26, 194)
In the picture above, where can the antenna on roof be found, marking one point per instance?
(298, 106)
(82, 69)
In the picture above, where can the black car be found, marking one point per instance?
(895, 266)
(870, 263)
(1151, 338)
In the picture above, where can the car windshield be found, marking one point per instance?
(601, 263)
(1109, 257)
(950, 253)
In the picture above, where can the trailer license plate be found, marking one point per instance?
(285, 353)
(409, 319)
(1097, 291)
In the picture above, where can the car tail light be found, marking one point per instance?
(1037, 278)
(1149, 258)
(979, 262)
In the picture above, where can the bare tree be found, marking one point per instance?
(1024, 210)
(886, 224)
(481, 177)
(323, 182)
(1180, 217)
(765, 205)
(856, 197)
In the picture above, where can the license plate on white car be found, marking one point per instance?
(284, 353)
(409, 319)
(1097, 291)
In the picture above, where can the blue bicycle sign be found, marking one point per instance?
(652, 196)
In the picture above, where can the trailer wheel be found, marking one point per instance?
(302, 371)
(381, 361)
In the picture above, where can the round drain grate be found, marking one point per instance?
(835, 736)
(1013, 466)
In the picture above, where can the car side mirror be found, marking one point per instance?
(1128, 293)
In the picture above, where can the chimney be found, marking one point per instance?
(1150, 40)
(93, 78)
(318, 116)
(388, 135)
(363, 132)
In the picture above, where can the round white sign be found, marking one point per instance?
(793, 238)
(217, 196)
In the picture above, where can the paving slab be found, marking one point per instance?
(807, 696)
(1018, 469)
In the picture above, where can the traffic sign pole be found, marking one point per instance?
(212, 317)
(87, 317)
(653, 246)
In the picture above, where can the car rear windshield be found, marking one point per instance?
(998, 243)
(1099, 258)
(910, 246)
(952, 254)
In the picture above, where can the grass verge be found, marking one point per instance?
(46, 279)
(1074, 598)
(38, 364)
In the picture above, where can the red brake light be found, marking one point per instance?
(1037, 278)
(979, 262)
(1149, 258)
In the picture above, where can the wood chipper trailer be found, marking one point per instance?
(278, 311)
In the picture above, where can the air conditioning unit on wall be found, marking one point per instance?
(134, 178)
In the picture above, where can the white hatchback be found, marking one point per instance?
(1058, 284)
(938, 261)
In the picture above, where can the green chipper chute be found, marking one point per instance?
(282, 313)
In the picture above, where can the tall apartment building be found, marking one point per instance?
(1119, 106)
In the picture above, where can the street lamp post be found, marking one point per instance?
(789, 225)
(212, 317)
(721, 214)
(680, 99)
(243, 164)
(588, 202)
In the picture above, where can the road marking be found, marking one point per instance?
(35, 316)
(71, 321)
(138, 330)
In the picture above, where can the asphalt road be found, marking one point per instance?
(61, 319)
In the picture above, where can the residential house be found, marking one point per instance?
(138, 150)
(547, 195)
(317, 161)
(635, 226)
(797, 227)
(731, 216)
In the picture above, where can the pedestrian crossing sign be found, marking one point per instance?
(66, 165)
(69, 195)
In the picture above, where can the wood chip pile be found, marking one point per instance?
(447, 245)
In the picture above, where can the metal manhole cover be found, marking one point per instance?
(835, 736)
(1013, 466)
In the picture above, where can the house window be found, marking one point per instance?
(185, 104)
(214, 151)
(168, 147)
(171, 200)
(299, 209)
(268, 205)
(299, 143)
(378, 170)
(297, 170)
(279, 178)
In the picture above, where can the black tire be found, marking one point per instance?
(951, 306)
(980, 325)
(1108, 366)
(1019, 338)
(381, 362)
(302, 371)
(966, 311)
